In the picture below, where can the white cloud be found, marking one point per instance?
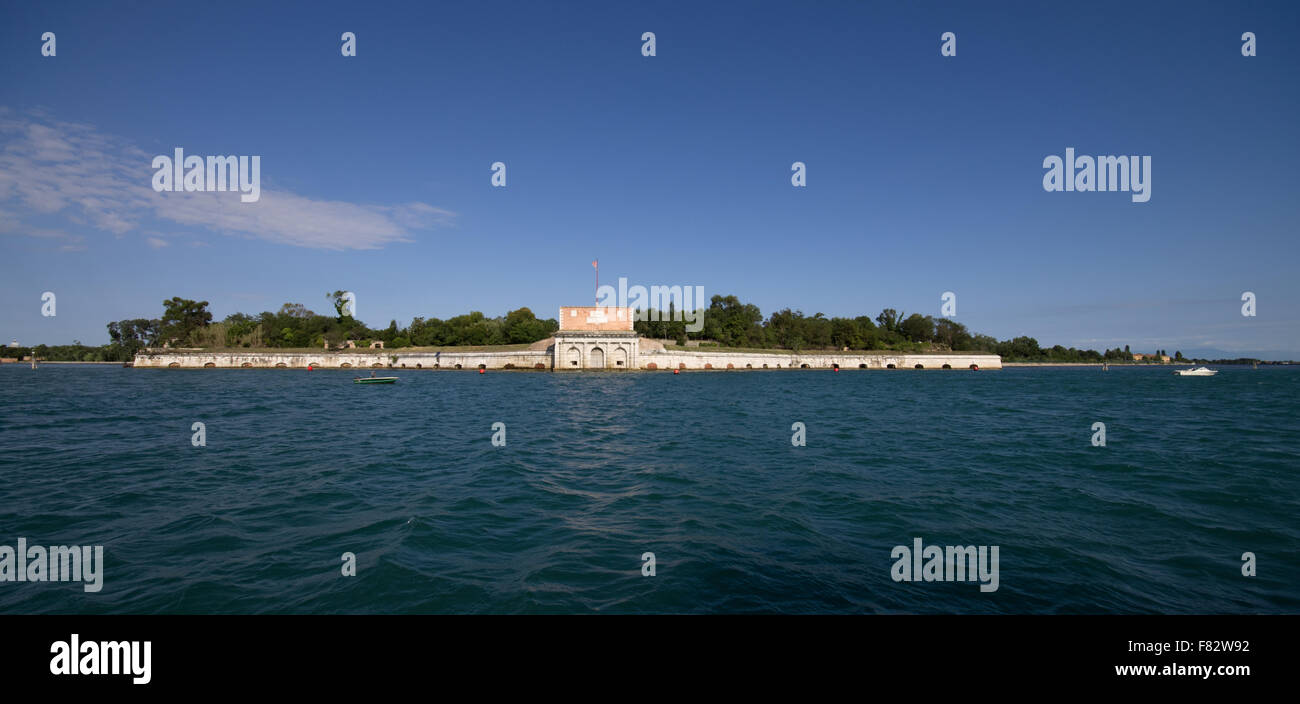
(73, 170)
(157, 242)
(10, 224)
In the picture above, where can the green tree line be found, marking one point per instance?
(727, 322)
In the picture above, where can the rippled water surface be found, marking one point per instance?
(698, 468)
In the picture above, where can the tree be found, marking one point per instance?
(889, 319)
(130, 336)
(846, 333)
(951, 333)
(241, 328)
(1020, 348)
(733, 323)
(296, 310)
(784, 329)
(522, 326)
(181, 317)
(918, 328)
(984, 343)
(340, 301)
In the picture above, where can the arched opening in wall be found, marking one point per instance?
(509, 366)
(403, 365)
(209, 365)
(862, 366)
(539, 365)
(652, 365)
(749, 366)
(619, 355)
(345, 365)
(597, 358)
(919, 366)
(419, 365)
(730, 365)
(173, 365)
(376, 364)
(835, 365)
(976, 367)
(245, 365)
(765, 366)
(682, 365)
(575, 356)
(280, 365)
(708, 366)
(482, 366)
(803, 366)
(890, 366)
(947, 366)
(458, 366)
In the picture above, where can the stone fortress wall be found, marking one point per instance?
(590, 338)
(549, 359)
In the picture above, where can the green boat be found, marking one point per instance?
(375, 380)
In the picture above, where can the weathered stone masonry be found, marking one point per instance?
(589, 339)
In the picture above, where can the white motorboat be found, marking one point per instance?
(1199, 371)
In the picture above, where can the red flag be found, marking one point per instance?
(593, 263)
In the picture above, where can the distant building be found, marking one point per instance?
(14, 344)
(595, 337)
(1138, 357)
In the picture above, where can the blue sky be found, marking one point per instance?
(924, 172)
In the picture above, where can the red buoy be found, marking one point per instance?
(676, 371)
(480, 371)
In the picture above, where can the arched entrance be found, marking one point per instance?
(597, 358)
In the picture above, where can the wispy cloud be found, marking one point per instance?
(10, 224)
(157, 242)
(101, 181)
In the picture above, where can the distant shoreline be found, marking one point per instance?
(1137, 364)
(40, 362)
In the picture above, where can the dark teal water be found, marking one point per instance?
(698, 468)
